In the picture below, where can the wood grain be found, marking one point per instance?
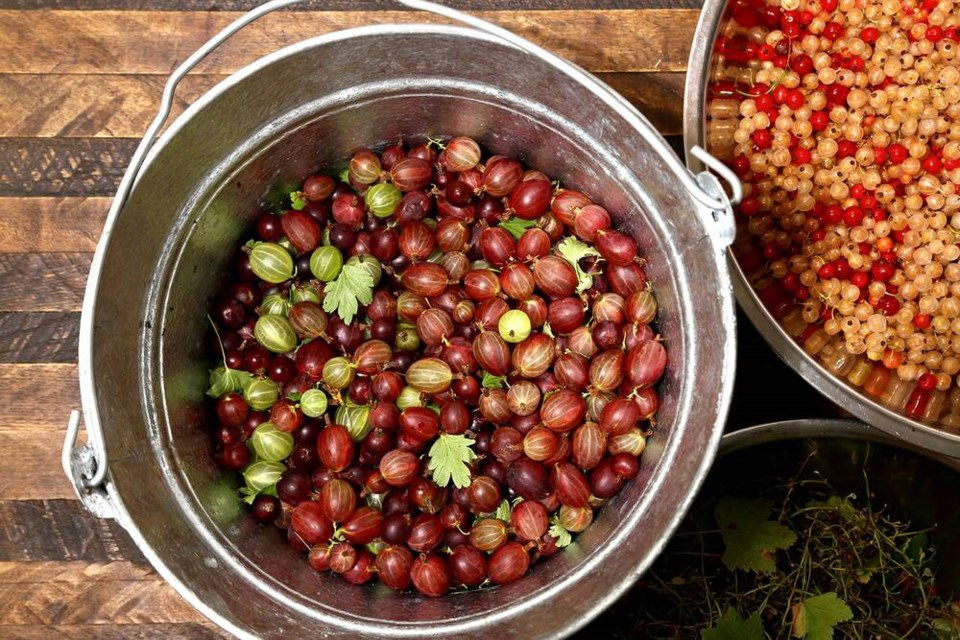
(63, 166)
(122, 106)
(339, 5)
(39, 337)
(65, 105)
(31, 465)
(69, 534)
(176, 631)
(50, 225)
(81, 593)
(156, 41)
(43, 281)
(37, 397)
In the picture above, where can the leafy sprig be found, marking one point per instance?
(517, 226)
(559, 532)
(350, 289)
(450, 457)
(573, 250)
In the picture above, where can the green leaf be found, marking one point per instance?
(297, 200)
(733, 627)
(559, 532)
(916, 548)
(492, 382)
(945, 629)
(449, 457)
(354, 286)
(749, 537)
(516, 226)
(224, 380)
(503, 512)
(572, 250)
(815, 617)
(249, 495)
(344, 175)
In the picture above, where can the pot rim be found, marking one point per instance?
(833, 428)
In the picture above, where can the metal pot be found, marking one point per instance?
(708, 122)
(901, 479)
(914, 482)
(171, 231)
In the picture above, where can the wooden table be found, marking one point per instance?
(79, 82)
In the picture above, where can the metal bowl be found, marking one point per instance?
(709, 120)
(304, 109)
(901, 478)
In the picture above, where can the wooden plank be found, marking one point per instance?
(43, 281)
(31, 465)
(63, 166)
(69, 534)
(658, 96)
(155, 41)
(39, 337)
(89, 105)
(81, 593)
(122, 106)
(339, 5)
(37, 397)
(177, 631)
(43, 225)
(92, 167)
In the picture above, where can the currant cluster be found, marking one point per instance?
(842, 118)
(436, 367)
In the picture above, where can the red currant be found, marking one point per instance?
(927, 382)
(897, 153)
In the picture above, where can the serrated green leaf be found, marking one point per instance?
(492, 382)
(504, 511)
(354, 286)
(344, 175)
(572, 250)
(732, 626)
(449, 457)
(224, 380)
(749, 538)
(516, 226)
(815, 617)
(297, 200)
(866, 570)
(558, 531)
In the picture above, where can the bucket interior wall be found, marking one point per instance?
(309, 109)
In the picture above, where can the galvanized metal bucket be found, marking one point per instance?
(706, 123)
(187, 200)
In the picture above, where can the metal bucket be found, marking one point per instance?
(905, 481)
(707, 123)
(915, 483)
(143, 365)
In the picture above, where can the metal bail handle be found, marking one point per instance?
(721, 220)
(81, 464)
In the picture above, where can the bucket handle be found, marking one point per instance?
(86, 465)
